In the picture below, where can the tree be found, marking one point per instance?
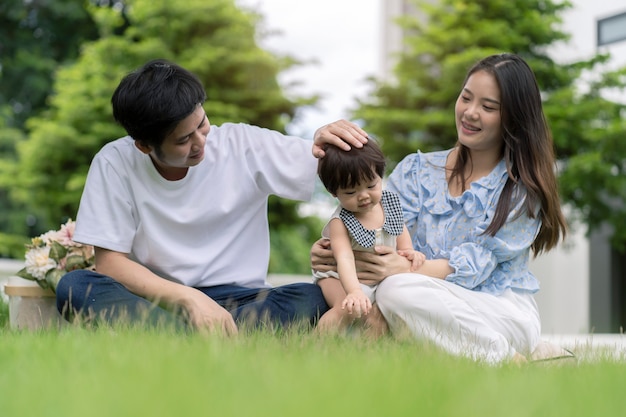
(214, 39)
(13, 220)
(36, 37)
(415, 110)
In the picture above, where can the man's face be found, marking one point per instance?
(183, 148)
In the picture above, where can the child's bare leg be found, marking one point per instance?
(336, 318)
(375, 323)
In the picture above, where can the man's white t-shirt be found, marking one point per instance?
(209, 228)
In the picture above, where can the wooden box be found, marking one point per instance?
(30, 306)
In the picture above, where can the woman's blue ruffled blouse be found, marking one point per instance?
(447, 227)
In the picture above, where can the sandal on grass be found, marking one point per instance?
(546, 351)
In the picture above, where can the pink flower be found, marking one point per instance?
(64, 235)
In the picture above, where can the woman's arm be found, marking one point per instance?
(371, 267)
(374, 267)
(474, 262)
(436, 268)
(202, 311)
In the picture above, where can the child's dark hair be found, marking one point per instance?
(345, 169)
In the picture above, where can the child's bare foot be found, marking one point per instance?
(519, 359)
(375, 324)
(333, 321)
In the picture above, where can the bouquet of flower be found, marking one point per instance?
(53, 254)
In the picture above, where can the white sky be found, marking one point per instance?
(344, 36)
(341, 35)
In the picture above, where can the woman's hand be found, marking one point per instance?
(341, 133)
(417, 258)
(372, 268)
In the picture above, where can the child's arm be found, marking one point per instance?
(436, 268)
(404, 247)
(333, 291)
(356, 301)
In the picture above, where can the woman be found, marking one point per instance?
(475, 211)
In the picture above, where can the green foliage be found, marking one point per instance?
(214, 39)
(291, 238)
(12, 219)
(36, 37)
(12, 246)
(4, 315)
(589, 136)
(416, 109)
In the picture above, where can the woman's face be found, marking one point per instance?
(477, 112)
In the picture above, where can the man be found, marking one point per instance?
(177, 213)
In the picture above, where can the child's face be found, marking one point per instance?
(363, 197)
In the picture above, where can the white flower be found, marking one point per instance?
(38, 262)
(53, 254)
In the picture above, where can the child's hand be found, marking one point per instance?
(417, 258)
(357, 303)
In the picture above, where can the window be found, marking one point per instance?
(611, 29)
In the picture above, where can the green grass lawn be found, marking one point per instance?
(129, 372)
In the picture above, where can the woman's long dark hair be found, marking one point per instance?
(528, 150)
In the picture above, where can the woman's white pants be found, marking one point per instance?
(461, 321)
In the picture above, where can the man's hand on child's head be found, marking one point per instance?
(342, 134)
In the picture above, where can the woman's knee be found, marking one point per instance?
(398, 290)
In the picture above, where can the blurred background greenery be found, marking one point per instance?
(61, 59)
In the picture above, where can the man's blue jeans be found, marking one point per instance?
(96, 297)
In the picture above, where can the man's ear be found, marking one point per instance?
(143, 148)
